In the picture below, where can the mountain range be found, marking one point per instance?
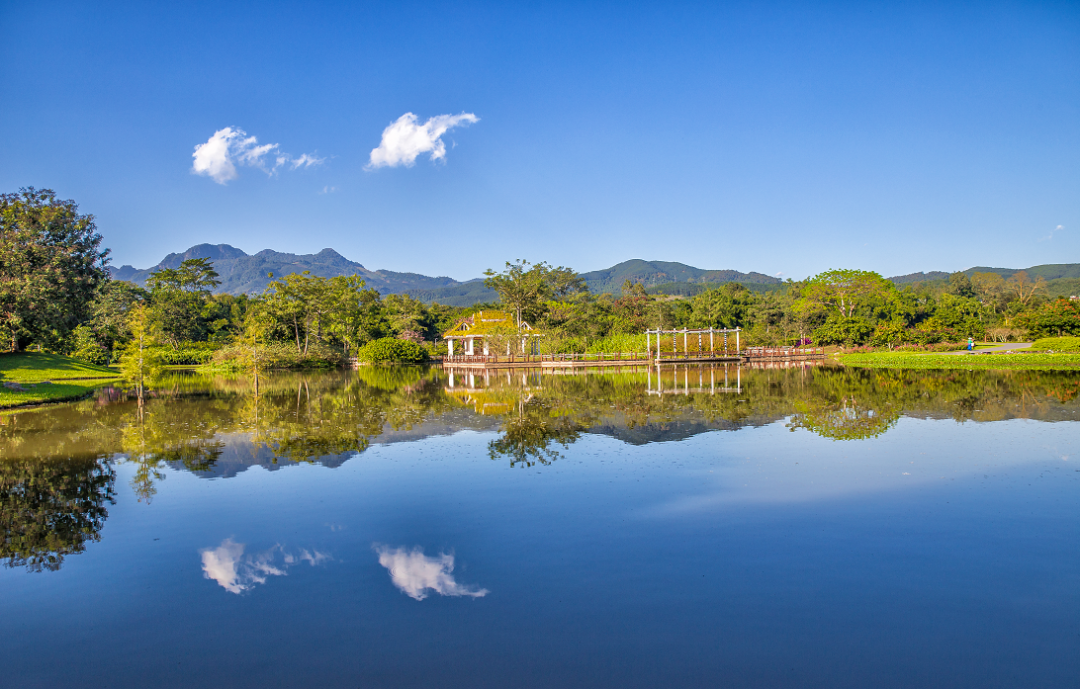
(243, 273)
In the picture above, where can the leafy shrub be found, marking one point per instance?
(281, 355)
(389, 350)
(1059, 317)
(558, 344)
(1058, 344)
(619, 343)
(929, 336)
(935, 347)
(843, 331)
(85, 346)
(187, 354)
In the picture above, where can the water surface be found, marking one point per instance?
(687, 526)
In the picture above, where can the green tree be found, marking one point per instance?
(110, 312)
(845, 291)
(178, 297)
(961, 285)
(724, 307)
(51, 265)
(301, 301)
(1024, 287)
(523, 288)
(355, 313)
(140, 362)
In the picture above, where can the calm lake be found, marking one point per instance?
(691, 526)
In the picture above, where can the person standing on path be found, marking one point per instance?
(971, 343)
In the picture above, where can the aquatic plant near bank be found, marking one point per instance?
(1005, 360)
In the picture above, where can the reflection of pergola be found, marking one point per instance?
(485, 325)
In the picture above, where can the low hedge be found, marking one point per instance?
(190, 354)
(282, 355)
(389, 350)
(1057, 344)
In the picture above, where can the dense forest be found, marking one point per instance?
(57, 295)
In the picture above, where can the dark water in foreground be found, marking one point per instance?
(384, 528)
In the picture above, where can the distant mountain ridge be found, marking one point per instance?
(652, 273)
(1049, 271)
(243, 273)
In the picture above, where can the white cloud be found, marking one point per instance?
(306, 160)
(236, 572)
(406, 139)
(328, 190)
(231, 146)
(1050, 236)
(415, 573)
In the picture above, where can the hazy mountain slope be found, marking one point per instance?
(651, 273)
(463, 294)
(919, 277)
(1050, 271)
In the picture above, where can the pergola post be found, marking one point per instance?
(712, 347)
(450, 349)
(736, 340)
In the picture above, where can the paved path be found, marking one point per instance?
(998, 348)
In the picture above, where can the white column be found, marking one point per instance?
(485, 346)
(450, 350)
(736, 340)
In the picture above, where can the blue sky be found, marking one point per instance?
(778, 137)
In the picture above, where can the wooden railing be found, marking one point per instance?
(540, 358)
(782, 352)
(640, 357)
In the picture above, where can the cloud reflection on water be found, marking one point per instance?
(236, 572)
(415, 573)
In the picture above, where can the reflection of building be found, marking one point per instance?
(490, 327)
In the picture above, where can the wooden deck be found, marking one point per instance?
(561, 361)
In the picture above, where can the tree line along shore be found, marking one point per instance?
(58, 298)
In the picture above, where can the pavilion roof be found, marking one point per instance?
(486, 323)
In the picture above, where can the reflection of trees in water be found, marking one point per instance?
(164, 433)
(55, 481)
(50, 508)
(530, 431)
(848, 420)
(303, 417)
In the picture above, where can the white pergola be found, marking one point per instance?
(686, 333)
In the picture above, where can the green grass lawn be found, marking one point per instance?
(48, 378)
(1065, 362)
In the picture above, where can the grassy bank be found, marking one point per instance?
(47, 378)
(1064, 362)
